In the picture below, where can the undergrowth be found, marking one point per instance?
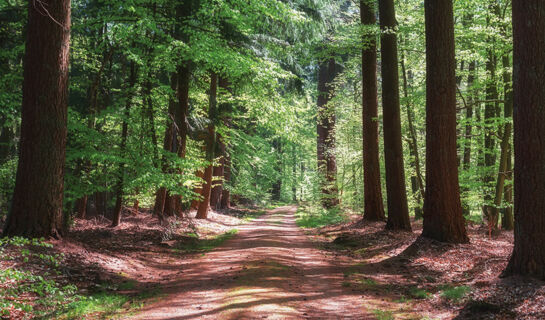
(205, 245)
(316, 216)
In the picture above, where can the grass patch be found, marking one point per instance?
(102, 305)
(205, 245)
(253, 215)
(315, 217)
(418, 293)
(383, 314)
(455, 294)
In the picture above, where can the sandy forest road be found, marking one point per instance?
(269, 270)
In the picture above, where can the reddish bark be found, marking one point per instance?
(38, 197)
(528, 256)
(372, 191)
(398, 209)
(443, 220)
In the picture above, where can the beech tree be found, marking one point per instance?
(528, 256)
(443, 220)
(38, 197)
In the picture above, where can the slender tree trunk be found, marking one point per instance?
(277, 185)
(443, 220)
(38, 197)
(372, 193)
(469, 115)
(417, 185)
(124, 132)
(528, 256)
(161, 194)
(225, 193)
(398, 210)
(216, 192)
(202, 211)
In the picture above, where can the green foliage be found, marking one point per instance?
(317, 216)
(205, 245)
(419, 293)
(8, 171)
(383, 314)
(455, 294)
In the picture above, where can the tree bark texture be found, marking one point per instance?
(372, 190)
(528, 256)
(202, 211)
(443, 220)
(398, 209)
(38, 196)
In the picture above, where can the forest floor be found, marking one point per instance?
(256, 264)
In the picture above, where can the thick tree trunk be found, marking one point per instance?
(398, 209)
(372, 191)
(443, 220)
(528, 256)
(124, 132)
(327, 165)
(326, 123)
(38, 196)
(202, 211)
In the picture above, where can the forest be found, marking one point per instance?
(272, 159)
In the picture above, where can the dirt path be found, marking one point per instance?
(269, 270)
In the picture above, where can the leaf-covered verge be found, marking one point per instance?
(402, 276)
(109, 277)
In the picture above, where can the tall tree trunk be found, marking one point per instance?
(443, 220)
(528, 256)
(372, 191)
(417, 184)
(202, 211)
(38, 197)
(161, 194)
(398, 209)
(124, 132)
(326, 133)
(469, 115)
(277, 185)
(225, 193)
(216, 192)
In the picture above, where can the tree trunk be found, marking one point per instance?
(38, 196)
(469, 115)
(443, 220)
(372, 193)
(202, 211)
(417, 184)
(528, 256)
(124, 132)
(225, 193)
(398, 210)
(161, 194)
(216, 192)
(277, 185)
(326, 133)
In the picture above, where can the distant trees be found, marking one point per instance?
(443, 220)
(528, 256)
(37, 207)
